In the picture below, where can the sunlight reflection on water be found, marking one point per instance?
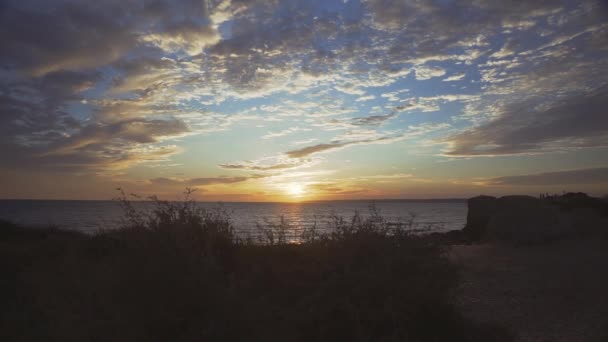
(90, 216)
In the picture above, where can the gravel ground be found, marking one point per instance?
(552, 292)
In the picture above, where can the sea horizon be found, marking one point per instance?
(439, 199)
(92, 215)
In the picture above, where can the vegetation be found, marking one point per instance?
(179, 273)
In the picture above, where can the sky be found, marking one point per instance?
(272, 100)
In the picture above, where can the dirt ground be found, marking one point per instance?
(557, 291)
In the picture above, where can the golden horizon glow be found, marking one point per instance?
(296, 189)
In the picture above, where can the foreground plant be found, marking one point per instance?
(176, 272)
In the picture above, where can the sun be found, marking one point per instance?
(295, 189)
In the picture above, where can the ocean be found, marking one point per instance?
(91, 216)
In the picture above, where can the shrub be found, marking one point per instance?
(176, 272)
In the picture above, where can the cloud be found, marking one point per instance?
(394, 176)
(188, 36)
(580, 176)
(142, 74)
(423, 106)
(114, 83)
(373, 120)
(453, 19)
(41, 37)
(428, 72)
(309, 150)
(350, 89)
(202, 181)
(250, 166)
(304, 142)
(284, 132)
(572, 122)
(365, 98)
(94, 146)
(377, 120)
(333, 188)
(132, 131)
(60, 54)
(507, 50)
(354, 124)
(306, 151)
(456, 77)
(271, 164)
(394, 96)
(39, 40)
(261, 42)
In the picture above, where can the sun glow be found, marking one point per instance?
(296, 189)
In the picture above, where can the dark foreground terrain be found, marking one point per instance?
(179, 274)
(523, 269)
(554, 291)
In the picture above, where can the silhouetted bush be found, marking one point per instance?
(576, 200)
(179, 273)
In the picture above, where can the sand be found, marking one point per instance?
(556, 291)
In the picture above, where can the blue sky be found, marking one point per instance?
(303, 100)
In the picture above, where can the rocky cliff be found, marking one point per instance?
(531, 219)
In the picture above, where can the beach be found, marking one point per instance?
(546, 292)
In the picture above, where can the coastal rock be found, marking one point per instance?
(481, 209)
(524, 219)
(529, 219)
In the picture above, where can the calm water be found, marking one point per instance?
(90, 216)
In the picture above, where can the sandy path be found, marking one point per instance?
(552, 292)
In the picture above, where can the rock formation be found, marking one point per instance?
(530, 219)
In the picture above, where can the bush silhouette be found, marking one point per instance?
(179, 273)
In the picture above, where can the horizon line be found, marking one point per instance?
(446, 199)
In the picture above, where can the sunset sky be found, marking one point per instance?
(270, 100)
